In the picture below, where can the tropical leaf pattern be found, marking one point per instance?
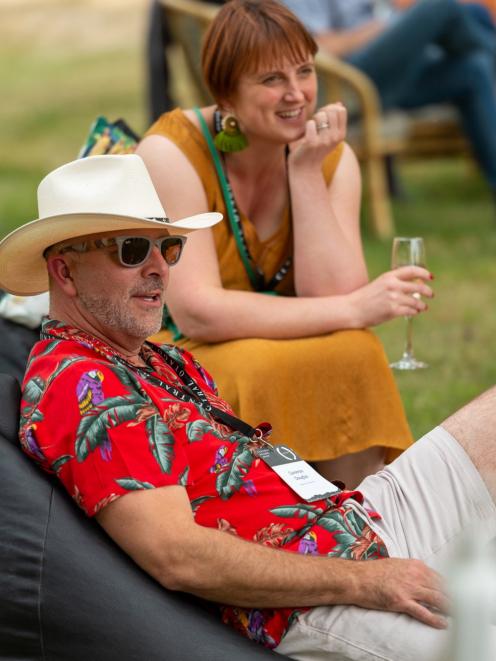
(33, 390)
(103, 502)
(183, 478)
(176, 354)
(161, 442)
(93, 429)
(225, 526)
(275, 534)
(132, 484)
(206, 377)
(60, 461)
(230, 480)
(196, 502)
(51, 346)
(196, 430)
(300, 510)
(176, 416)
(129, 380)
(197, 407)
(106, 430)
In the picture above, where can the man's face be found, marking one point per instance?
(123, 304)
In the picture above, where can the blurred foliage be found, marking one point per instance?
(62, 63)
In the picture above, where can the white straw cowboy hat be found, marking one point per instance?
(84, 197)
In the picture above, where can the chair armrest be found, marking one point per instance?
(336, 73)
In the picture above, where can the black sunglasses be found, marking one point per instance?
(134, 250)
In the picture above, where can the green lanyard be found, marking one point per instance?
(255, 274)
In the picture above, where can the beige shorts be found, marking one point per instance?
(430, 498)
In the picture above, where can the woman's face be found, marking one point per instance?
(275, 103)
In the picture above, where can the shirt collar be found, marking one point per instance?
(62, 331)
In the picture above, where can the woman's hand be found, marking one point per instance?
(323, 133)
(393, 294)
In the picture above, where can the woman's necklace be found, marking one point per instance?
(257, 276)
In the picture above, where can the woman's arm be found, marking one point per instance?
(204, 311)
(328, 256)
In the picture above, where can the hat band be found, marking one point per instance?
(162, 219)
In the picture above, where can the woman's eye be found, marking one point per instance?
(271, 80)
(306, 71)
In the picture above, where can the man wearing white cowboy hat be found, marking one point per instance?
(141, 440)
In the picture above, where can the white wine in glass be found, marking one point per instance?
(408, 251)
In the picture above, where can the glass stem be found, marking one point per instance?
(409, 337)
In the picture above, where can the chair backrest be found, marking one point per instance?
(68, 592)
(10, 393)
(187, 21)
(16, 343)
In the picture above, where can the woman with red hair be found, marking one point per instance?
(277, 298)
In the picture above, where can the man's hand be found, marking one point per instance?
(402, 586)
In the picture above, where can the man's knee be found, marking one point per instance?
(474, 427)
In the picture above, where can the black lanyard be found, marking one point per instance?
(190, 393)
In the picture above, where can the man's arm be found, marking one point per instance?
(321, 18)
(157, 529)
(343, 42)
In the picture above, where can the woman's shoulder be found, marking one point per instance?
(181, 130)
(207, 113)
(182, 125)
(179, 161)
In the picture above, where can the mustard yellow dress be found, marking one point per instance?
(325, 396)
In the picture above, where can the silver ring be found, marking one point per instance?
(324, 125)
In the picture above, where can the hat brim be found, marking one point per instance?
(22, 266)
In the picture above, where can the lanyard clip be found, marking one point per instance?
(262, 432)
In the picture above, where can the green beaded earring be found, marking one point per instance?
(230, 138)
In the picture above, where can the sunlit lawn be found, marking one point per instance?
(62, 63)
(448, 205)
(54, 86)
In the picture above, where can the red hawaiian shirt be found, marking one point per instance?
(106, 429)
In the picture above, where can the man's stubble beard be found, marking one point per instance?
(118, 317)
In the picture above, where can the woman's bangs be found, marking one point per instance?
(271, 54)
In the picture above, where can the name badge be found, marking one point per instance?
(296, 473)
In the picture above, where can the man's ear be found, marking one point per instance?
(59, 269)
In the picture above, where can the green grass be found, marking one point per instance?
(52, 105)
(448, 204)
(55, 81)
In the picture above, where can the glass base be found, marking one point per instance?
(408, 362)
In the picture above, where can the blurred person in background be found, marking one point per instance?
(277, 295)
(417, 54)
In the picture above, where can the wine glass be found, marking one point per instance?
(407, 251)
